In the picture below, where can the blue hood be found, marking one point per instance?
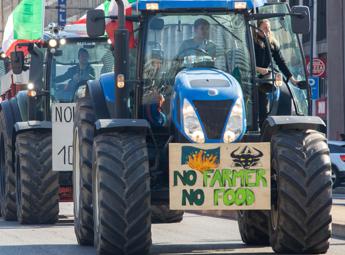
(206, 87)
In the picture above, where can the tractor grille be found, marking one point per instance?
(213, 115)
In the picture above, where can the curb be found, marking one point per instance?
(339, 190)
(338, 230)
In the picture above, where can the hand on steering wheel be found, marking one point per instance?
(181, 54)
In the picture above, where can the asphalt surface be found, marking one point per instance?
(195, 235)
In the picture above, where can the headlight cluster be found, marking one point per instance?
(193, 129)
(54, 43)
(31, 90)
(191, 123)
(234, 127)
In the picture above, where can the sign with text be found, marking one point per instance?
(220, 176)
(321, 108)
(62, 15)
(319, 67)
(314, 85)
(62, 122)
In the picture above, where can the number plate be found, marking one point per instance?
(62, 121)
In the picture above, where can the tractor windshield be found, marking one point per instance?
(75, 64)
(177, 41)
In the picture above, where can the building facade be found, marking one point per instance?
(74, 9)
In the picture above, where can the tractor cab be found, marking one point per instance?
(196, 69)
(72, 59)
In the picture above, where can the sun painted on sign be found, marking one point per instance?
(199, 159)
(228, 176)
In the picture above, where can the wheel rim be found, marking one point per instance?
(2, 164)
(76, 189)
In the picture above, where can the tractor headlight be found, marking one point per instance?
(63, 41)
(191, 123)
(52, 43)
(2, 55)
(31, 86)
(234, 127)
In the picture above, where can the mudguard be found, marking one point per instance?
(11, 113)
(32, 125)
(22, 102)
(273, 124)
(100, 107)
(137, 125)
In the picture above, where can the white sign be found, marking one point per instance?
(62, 122)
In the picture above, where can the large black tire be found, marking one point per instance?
(121, 194)
(7, 176)
(300, 219)
(82, 170)
(162, 214)
(37, 185)
(253, 226)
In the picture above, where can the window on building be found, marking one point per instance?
(321, 20)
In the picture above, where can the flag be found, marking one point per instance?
(111, 25)
(26, 23)
(104, 7)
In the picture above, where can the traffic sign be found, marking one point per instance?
(314, 85)
(319, 67)
(62, 12)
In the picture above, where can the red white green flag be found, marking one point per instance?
(26, 23)
(111, 25)
(104, 7)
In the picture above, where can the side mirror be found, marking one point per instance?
(300, 19)
(95, 23)
(157, 24)
(36, 68)
(17, 62)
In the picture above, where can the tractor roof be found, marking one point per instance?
(178, 5)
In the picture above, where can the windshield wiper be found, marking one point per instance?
(227, 29)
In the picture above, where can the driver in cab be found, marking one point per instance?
(200, 43)
(78, 73)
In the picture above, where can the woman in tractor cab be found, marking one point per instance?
(263, 63)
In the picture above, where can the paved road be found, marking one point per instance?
(195, 235)
(339, 199)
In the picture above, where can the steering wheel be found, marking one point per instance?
(182, 55)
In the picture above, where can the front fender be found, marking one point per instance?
(100, 106)
(32, 125)
(122, 125)
(273, 124)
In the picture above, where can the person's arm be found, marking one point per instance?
(280, 61)
(66, 76)
(262, 71)
(92, 74)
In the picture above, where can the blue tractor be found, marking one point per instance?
(182, 82)
(36, 120)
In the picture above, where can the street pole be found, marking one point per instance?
(313, 39)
